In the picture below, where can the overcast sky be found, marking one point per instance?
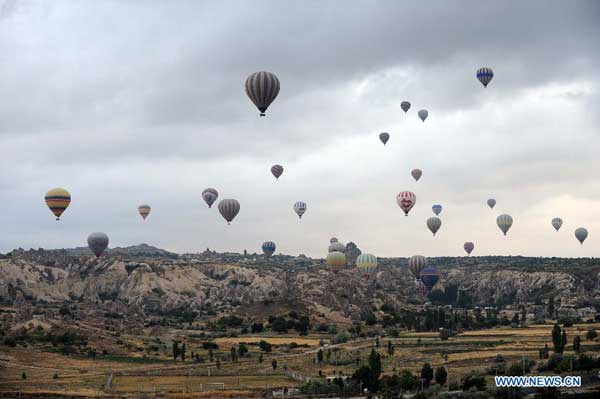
(124, 103)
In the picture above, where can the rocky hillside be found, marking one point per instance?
(155, 281)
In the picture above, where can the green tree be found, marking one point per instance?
(233, 354)
(390, 348)
(591, 334)
(576, 343)
(218, 362)
(375, 364)
(24, 376)
(563, 339)
(441, 375)
(175, 349)
(182, 352)
(274, 364)
(551, 307)
(320, 356)
(242, 349)
(408, 381)
(211, 355)
(557, 338)
(265, 346)
(260, 358)
(427, 373)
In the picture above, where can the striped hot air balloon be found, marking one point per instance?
(384, 137)
(406, 200)
(58, 200)
(366, 263)
(491, 203)
(405, 105)
(581, 234)
(268, 248)
(557, 223)
(433, 224)
(437, 209)
(300, 208)
(336, 260)
(504, 222)
(210, 195)
(333, 239)
(485, 75)
(262, 88)
(144, 210)
(416, 174)
(229, 208)
(97, 242)
(469, 247)
(416, 263)
(423, 114)
(277, 170)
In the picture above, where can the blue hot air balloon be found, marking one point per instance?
(437, 209)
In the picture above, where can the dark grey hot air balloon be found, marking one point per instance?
(277, 170)
(504, 222)
(97, 242)
(556, 223)
(268, 248)
(229, 208)
(433, 224)
(333, 239)
(491, 203)
(210, 195)
(405, 105)
(469, 247)
(581, 234)
(262, 88)
(416, 174)
(336, 247)
(384, 137)
(423, 114)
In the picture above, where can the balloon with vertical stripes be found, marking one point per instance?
(262, 88)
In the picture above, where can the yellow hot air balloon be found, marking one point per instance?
(336, 260)
(367, 264)
(58, 200)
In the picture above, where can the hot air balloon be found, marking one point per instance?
(277, 170)
(417, 263)
(58, 200)
(384, 137)
(429, 277)
(97, 242)
(437, 209)
(423, 114)
(405, 105)
(416, 174)
(144, 210)
(229, 208)
(333, 239)
(300, 208)
(504, 222)
(491, 203)
(406, 200)
(336, 260)
(336, 247)
(485, 75)
(556, 223)
(433, 224)
(469, 247)
(581, 234)
(262, 88)
(420, 287)
(366, 263)
(268, 248)
(210, 195)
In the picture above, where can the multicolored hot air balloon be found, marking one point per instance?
(97, 242)
(384, 137)
(469, 247)
(405, 105)
(210, 195)
(437, 209)
(144, 210)
(336, 247)
(485, 75)
(433, 224)
(417, 263)
(268, 248)
(423, 114)
(58, 200)
(366, 263)
(300, 208)
(429, 277)
(277, 170)
(406, 200)
(581, 234)
(416, 174)
(491, 203)
(262, 88)
(229, 208)
(504, 222)
(336, 260)
(556, 223)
